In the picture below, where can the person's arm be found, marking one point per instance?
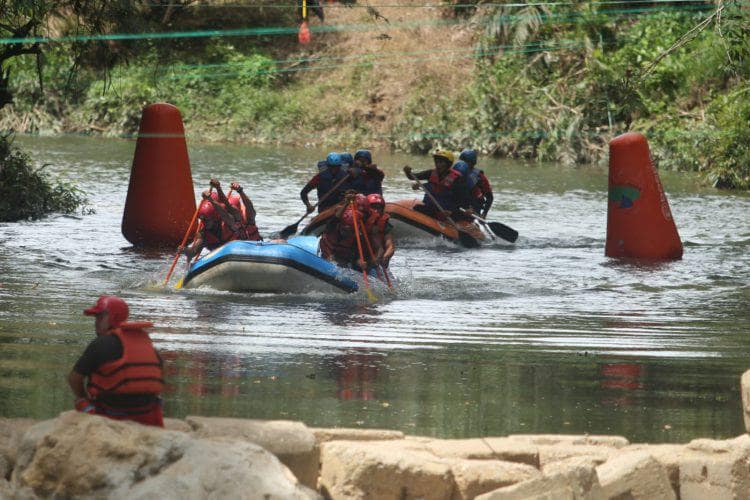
(312, 184)
(488, 196)
(196, 246)
(249, 208)
(348, 199)
(225, 216)
(222, 197)
(76, 383)
(389, 246)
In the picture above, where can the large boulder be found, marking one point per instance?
(414, 468)
(383, 469)
(716, 469)
(474, 477)
(323, 435)
(635, 475)
(11, 430)
(745, 392)
(571, 479)
(292, 442)
(85, 456)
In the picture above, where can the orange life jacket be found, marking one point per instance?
(138, 371)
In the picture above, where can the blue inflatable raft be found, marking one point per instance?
(291, 266)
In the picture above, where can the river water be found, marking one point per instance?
(545, 336)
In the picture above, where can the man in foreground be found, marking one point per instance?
(119, 375)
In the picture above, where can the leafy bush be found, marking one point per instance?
(27, 193)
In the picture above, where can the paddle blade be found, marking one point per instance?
(288, 231)
(371, 295)
(467, 240)
(503, 231)
(179, 284)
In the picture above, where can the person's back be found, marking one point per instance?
(123, 371)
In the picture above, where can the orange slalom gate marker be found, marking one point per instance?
(160, 200)
(639, 221)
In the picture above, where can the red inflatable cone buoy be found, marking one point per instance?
(304, 33)
(160, 201)
(639, 222)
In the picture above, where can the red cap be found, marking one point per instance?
(115, 306)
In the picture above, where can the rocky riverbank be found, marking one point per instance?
(82, 456)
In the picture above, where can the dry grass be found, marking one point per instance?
(402, 60)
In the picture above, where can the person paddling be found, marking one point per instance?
(478, 185)
(325, 181)
(367, 178)
(443, 183)
(382, 240)
(239, 220)
(211, 232)
(339, 241)
(120, 374)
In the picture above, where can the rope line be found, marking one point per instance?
(289, 30)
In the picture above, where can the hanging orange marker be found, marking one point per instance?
(304, 30)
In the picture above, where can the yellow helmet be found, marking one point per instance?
(445, 154)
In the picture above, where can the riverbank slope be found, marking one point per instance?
(543, 81)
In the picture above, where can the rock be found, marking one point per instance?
(571, 479)
(11, 430)
(572, 439)
(292, 442)
(670, 456)
(558, 452)
(716, 469)
(85, 456)
(459, 448)
(383, 469)
(323, 435)
(175, 424)
(745, 391)
(635, 475)
(474, 477)
(513, 450)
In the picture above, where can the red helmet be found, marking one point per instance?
(375, 199)
(234, 200)
(362, 203)
(115, 306)
(207, 211)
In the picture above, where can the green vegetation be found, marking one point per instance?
(27, 193)
(552, 82)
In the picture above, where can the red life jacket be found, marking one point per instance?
(215, 238)
(334, 243)
(138, 371)
(246, 230)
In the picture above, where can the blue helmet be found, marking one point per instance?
(346, 159)
(363, 153)
(469, 156)
(333, 160)
(462, 167)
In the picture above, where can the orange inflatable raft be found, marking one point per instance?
(406, 222)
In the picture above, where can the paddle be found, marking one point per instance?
(465, 238)
(381, 270)
(370, 295)
(184, 240)
(292, 228)
(505, 232)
